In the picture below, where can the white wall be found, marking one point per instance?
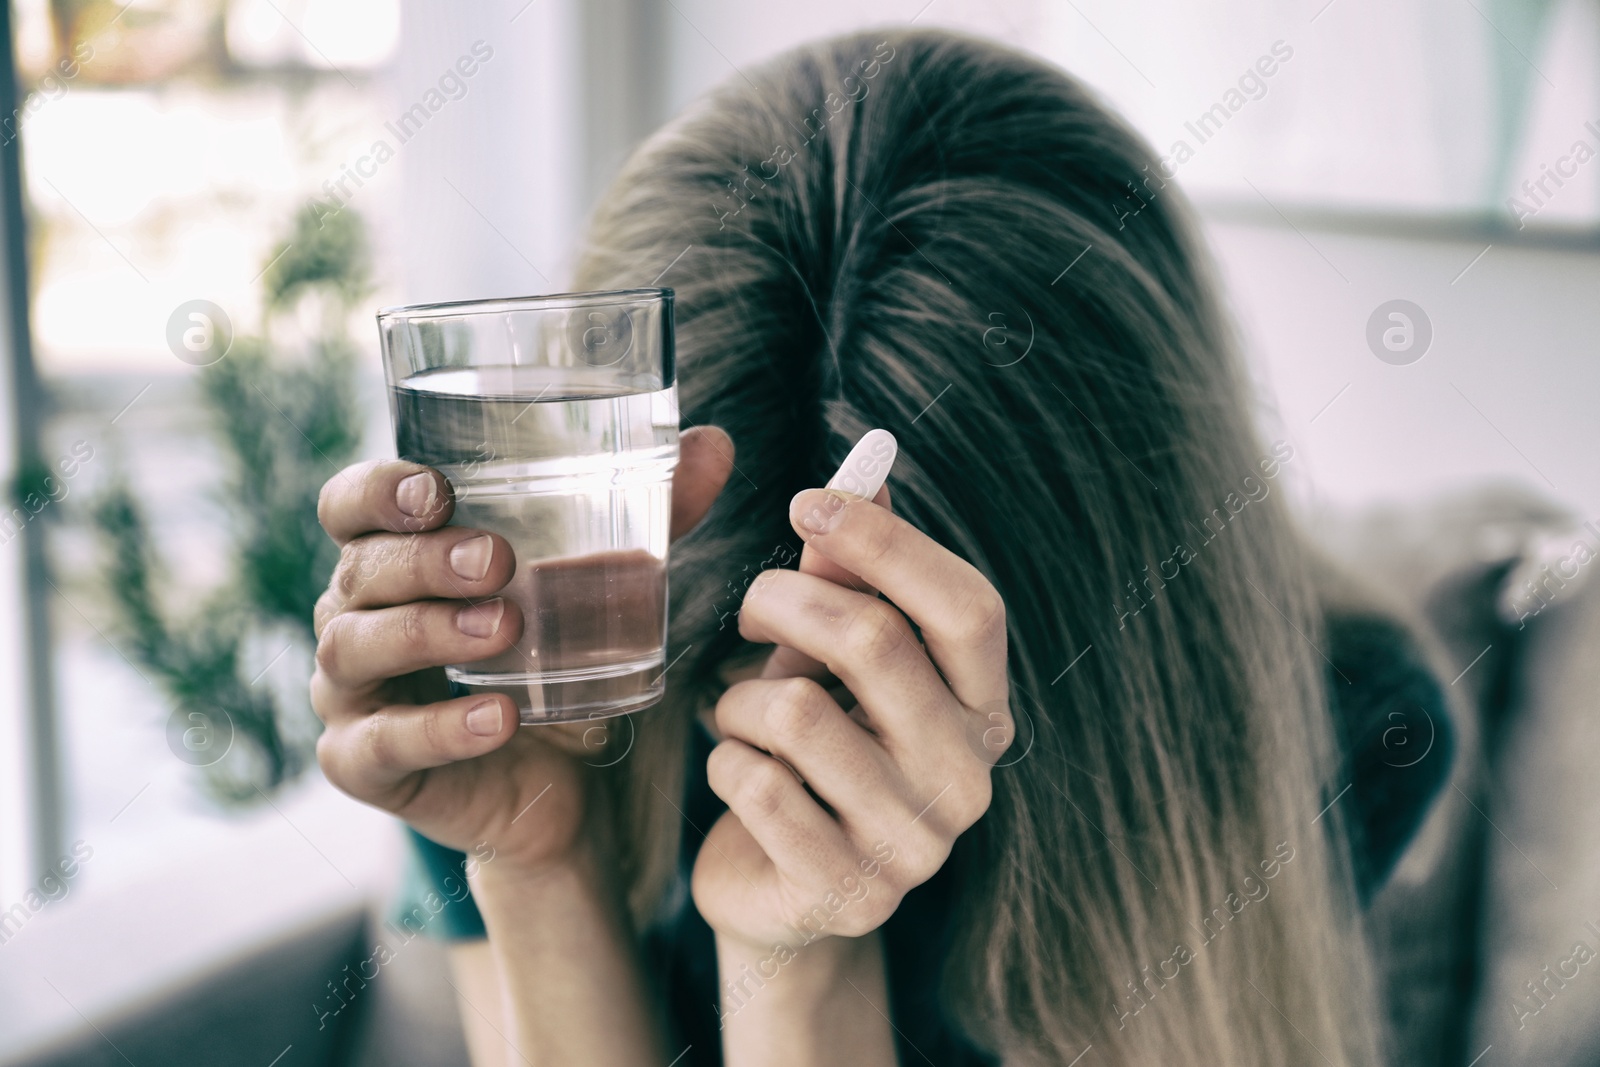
(489, 204)
(1507, 390)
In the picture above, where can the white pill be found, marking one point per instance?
(866, 468)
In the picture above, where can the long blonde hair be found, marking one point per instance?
(930, 233)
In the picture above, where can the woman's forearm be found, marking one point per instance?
(569, 966)
(825, 1003)
(481, 1003)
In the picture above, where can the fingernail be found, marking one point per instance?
(415, 494)
(817, 510)
(481, 620)
(484, 719)
(470, 558)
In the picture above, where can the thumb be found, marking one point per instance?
(792, 663)
(705, 460)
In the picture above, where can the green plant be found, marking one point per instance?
(286, 417)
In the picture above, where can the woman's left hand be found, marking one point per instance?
(890, 783)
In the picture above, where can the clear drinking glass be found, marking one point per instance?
(555, 418)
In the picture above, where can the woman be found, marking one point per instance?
(1071, 789)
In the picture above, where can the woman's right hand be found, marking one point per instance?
(410, 594)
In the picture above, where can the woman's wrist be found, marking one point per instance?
(564, 943)
(588, 857)
(799, 975)
(825, 1001)
(504, 884)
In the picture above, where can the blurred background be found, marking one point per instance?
(257, 177)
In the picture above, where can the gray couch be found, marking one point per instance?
(1505, 875)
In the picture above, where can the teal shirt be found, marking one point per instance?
(436, 878)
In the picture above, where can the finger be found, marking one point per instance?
(384, 494)
(359, 649)
(864, 642)
(803, 843)
(814, 562)
(961, 616)
(790, 663)
(370, 757)
(797, 721)
(332, 703)
(380, 570)
(705, 460)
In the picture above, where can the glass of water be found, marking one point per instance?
(555, 418)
